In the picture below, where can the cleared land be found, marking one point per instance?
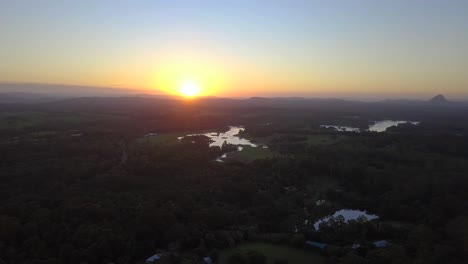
(249, 154)
(30, 119)
(162, 139)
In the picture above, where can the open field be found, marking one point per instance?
(20, 120)
(29, 119)
(249, 154)
(161, 139)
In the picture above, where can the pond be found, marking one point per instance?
(382, 126)
(379, 126)
(348, 215)
(231, 136)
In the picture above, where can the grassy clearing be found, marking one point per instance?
(259, 140)
(30, 119)
(274, 252)
(161, 139)
(249, 154)
(20, 120)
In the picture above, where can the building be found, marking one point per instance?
(153, 259)
(161, 257)
(381, 244)
(313, 244)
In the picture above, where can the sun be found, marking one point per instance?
(189, 89)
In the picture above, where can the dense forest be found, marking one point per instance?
(80, 182)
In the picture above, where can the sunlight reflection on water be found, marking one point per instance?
(230, 137)
(347, 214)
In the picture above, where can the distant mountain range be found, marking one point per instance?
(436, 100)
(66, 90)
(38, 92)
(32, 93)
(19, 97)
(439, 99)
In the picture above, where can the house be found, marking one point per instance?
(356, 246)
(313, 244)
(381, 244)
(153, 259)
(160, 257)
(320, 202)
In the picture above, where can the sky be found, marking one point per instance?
(397, 48)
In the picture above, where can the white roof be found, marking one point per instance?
(153, 258)
(207, 260)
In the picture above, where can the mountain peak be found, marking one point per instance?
(439, 99)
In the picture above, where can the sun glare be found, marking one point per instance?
(189, 89)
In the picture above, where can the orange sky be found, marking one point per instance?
(246, 48)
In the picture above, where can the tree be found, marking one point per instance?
(237, 258)
(280, 261)
(351, 258)
(255, 257)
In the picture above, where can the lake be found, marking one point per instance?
(231, 136)
(348, 215)
(378, 126)
(382, 126)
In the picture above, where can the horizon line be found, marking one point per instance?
(100, 90)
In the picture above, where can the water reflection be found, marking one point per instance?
(382, 126)
(379, 126)
(348, 215)
(230, 137)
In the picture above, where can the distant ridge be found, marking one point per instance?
(258, 98)
(66, 90)
(439, 99)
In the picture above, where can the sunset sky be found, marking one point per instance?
(240, 48)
